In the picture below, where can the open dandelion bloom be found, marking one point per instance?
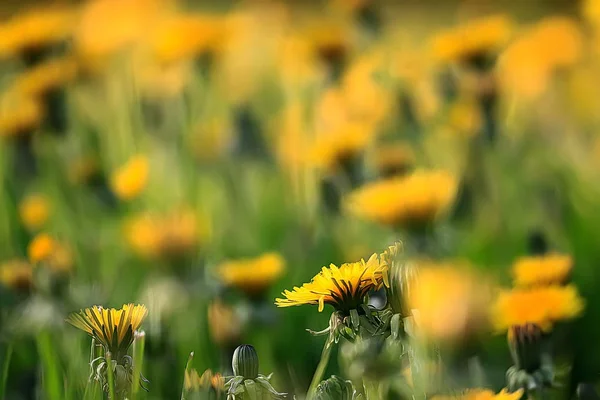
(482, 394)
(112, 328)
(193, 382)
(187, 36)
(414, 200)
(448, 302)
(254, 275)
(542, 270)
(541, 306)
(475, 39)
(35, 29)
(16, 274)
(345, 288)
(45, 77)
(333, 150)
(19, 115)
(129, 180)
(34, 211)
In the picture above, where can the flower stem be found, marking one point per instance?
(110, 372)
(320, 371)
(138, 360)
(5, 366)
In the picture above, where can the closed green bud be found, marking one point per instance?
(335, 388)
(245, 362)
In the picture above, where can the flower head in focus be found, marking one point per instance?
(544, 269)
(16, 274)
(415, 200)
(345, 288)
(130, 179)
(252, 276)
(542, 306)
(34, 211)
(113, 328)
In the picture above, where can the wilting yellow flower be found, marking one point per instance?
(112, 328)
(448, 302)
(254, 275)
(45, 249)
(16, 274)
(19, 115)
(541, 306)
(393, 159)
(223, 323)
(130, 179)
(45, 77)
(477, 38)
(414, 200)
(34, 211)
(184, 37)
(527, 65)
(164, 236)
(345, 288)
(35, 29)
(193, 382)
(333, 149)
(482, 394)
(542, 270)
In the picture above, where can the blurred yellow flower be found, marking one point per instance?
(45, 77)
(185, 37)
(345, 288)
(482, 394)
(332, 150)
(545, 269)
(414, 200)
(130, 179)
(45, 249)
(330, 40)
(34, 211)
(160, 81)
(393, 159)
(254, 275)
(526, 66)
(35, 30)
(541, 306)
(112, 328)
(16, 274)
(168, 235)
(448, 302)
(223, 323)
(591, 10)
(193, 382)
(19, 115)
(473, 40)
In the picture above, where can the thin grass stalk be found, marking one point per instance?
(320, 371)
(5, 368)
(52, 382)
(186, 371)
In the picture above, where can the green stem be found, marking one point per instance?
(5, 366)
(52, 381)
(110, 372)
(320, 371)
(372, 390)
(138, 360)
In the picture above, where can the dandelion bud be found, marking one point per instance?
(335, 388)
(245, 362)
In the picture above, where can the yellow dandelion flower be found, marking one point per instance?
(128, 181)
(16, 274)
(448, 302)
(591, 10)
(252, 276)
(35, 29)
(112, 328)
(55, 255)
(187, 36)
(223, 323)
(482, 394)
(541, 306)
(19, 115)
(193, 382)
(34, 211)
(475, 39)
(333, 149)
(393, 159)
(45, 77)
(345, 288)
(542, 270)
(414, 200)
